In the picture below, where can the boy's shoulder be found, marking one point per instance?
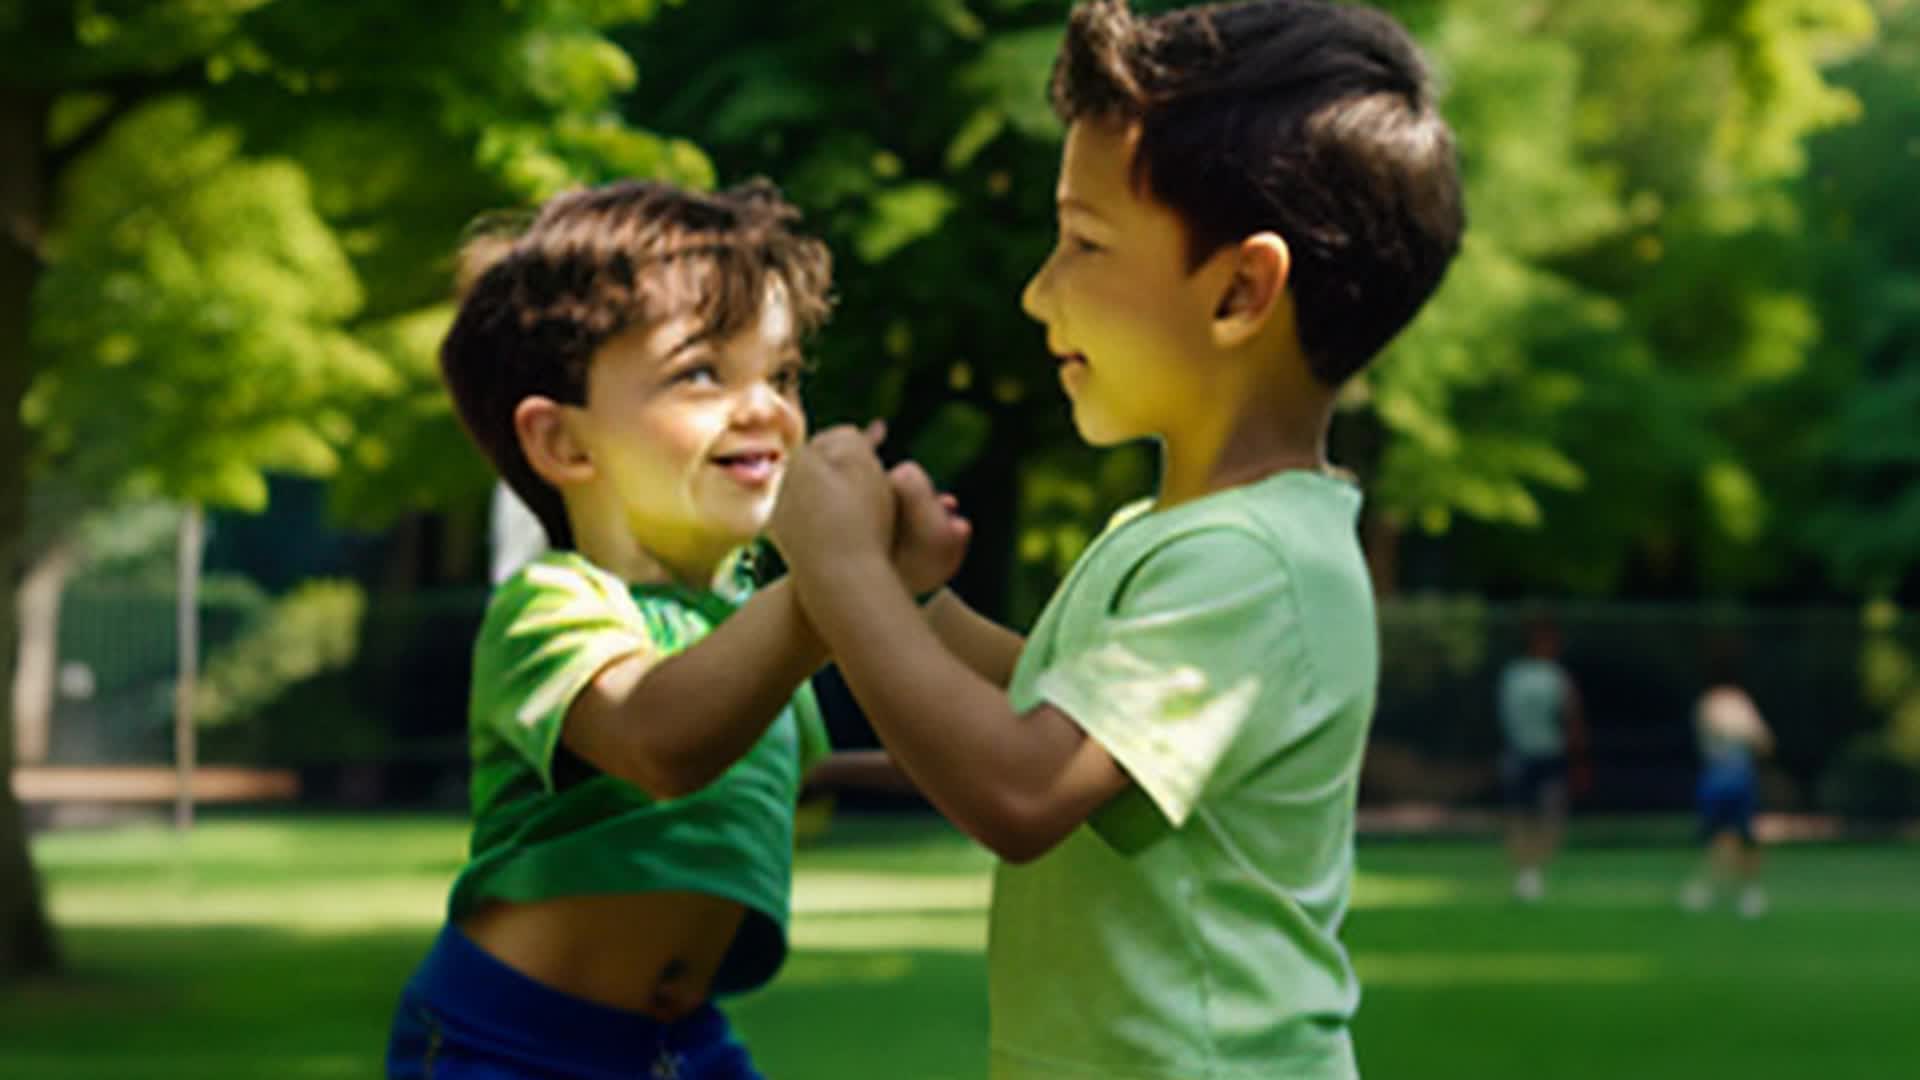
(555, 579)
(1281, 520)
(564, 592)
(558, 593)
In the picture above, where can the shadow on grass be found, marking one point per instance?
(245, 1003)
(210, 1002)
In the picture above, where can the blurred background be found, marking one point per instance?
(1669, 397)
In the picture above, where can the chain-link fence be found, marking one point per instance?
(382, 721)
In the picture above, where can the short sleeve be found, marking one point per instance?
(1180, 661)
(550, 629)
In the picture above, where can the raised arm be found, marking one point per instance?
(986, 647)
(670, 726)
(1016, 782)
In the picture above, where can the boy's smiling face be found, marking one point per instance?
(1127, 321)
(689, 435)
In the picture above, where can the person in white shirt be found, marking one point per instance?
(1732, 735)
(1543, 728)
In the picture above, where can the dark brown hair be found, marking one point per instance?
(1311, 119)
(538, 301)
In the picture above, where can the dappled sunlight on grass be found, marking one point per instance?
(1372, 890)
(276, 947)
(1442, 969)
(842, 891)
(845, 911)
(808, 968)
(938, 931)
(345, 906)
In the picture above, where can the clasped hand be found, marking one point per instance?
(838, 505)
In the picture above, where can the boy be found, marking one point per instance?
(1253, 200)
(1732, 735)
(639, 723)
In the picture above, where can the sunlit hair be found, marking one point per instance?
(1313, 120)
(539, 297)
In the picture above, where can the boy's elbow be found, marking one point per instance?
(1020, 832)
(664, 777)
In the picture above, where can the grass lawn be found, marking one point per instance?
(274, 947)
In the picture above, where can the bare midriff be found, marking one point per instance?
(651, 953)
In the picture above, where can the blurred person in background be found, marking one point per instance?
(1544, 731)
(1732, 734)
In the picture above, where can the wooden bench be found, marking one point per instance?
(150, 784)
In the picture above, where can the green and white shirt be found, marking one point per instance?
(546, 824)
(1224, 652)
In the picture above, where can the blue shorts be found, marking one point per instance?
(1727, 804)
(466, 1016)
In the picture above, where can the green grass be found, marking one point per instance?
(274, 947)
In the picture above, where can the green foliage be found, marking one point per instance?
(1662, 315)
(256, 204)
(178, 361)
(312, 630)
(1869, 782)
(1863, 235)
(1631, 264)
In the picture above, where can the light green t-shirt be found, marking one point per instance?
(1224, 652)
(1533, 699)
(547, 824)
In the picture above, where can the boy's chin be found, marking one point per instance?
(1094, 432)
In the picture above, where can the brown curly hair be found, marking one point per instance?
(537, 301)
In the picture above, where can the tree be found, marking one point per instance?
(226, 225)
(1591, 387)
(1864, 250)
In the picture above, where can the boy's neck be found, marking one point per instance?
(1275, 428)
(613, 547)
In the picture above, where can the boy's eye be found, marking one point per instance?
(1078, 243)
(787, 380)
(697, 375)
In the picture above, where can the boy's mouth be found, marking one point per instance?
(752, 468)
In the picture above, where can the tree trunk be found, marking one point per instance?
(26, 938)
(39, 653)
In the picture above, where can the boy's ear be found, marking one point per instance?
(547, 439)
(1258, 286)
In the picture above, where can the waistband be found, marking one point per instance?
(489, 1003)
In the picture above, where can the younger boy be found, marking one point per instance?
(639, 719)
(1253, 200)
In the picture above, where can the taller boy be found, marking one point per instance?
(1253, 200)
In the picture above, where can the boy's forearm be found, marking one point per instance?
(671, 727)
(951, 731)
(990, 649)
(860, 770)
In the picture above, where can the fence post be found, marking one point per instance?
(192, 541)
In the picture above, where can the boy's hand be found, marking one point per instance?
(929, 538)
(835, 501)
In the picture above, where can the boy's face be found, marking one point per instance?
(691, 435)
(1127, 322)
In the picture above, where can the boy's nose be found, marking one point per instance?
(758, 404)
(1033, 297)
